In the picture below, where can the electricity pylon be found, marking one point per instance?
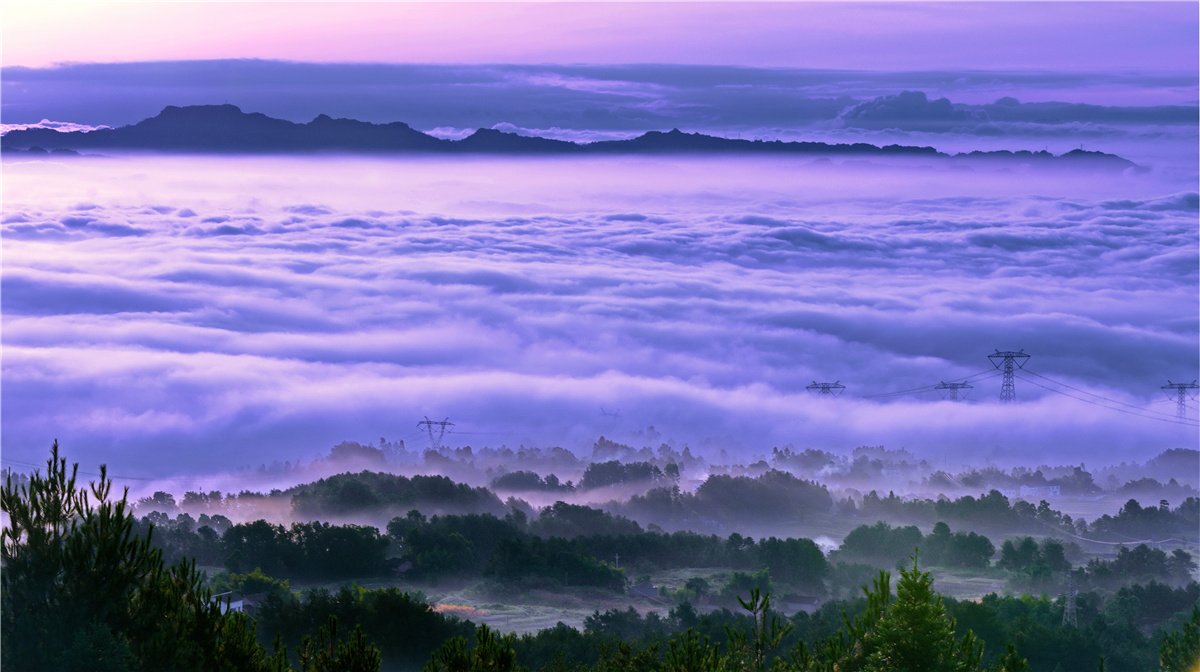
(436, 442)
(833, 389)
(1006, 359)
(1181, 393)
(953, 389)
(1069, 615)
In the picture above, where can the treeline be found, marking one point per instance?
(724, 499)
(1043, 566)
(1137, 565)
(596, 475)
(569, 544)
(721, 501)
(1135, 522)
(1036, 566)
(884, 545)
(402, 625)
(565, 543)
(80, 590)
(369, 491)
(1127, 630)
(307, 551)
(993, 511)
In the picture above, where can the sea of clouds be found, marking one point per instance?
(174, 314)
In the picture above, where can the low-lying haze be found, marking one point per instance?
(192, 314)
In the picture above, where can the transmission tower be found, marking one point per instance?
(1069, 615)
(952, 389)
(833, 389)
(1006, 359)
(435, 442)
(1181, 393)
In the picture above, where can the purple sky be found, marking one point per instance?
(1058, 36)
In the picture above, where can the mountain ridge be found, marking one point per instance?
(227, 129)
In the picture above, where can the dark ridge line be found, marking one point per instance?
(226, 129)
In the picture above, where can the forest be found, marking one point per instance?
(90, 577)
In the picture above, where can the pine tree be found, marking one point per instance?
(1180, 652)
(81, 591)
(916, 635)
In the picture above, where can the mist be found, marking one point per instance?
(169, 315)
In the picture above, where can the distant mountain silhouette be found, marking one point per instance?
(227, 129)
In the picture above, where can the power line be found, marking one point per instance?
(974, 377)
(1103, 398)
(1111, 408)
(1093, 394)
(114, 477)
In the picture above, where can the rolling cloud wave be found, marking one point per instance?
(190, 313)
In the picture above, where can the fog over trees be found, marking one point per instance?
(436, 584)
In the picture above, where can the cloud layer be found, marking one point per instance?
(167, 314)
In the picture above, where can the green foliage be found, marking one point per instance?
(847, 579)
(80, 590)
(744, 584)
(575, 520)
(912, 633)
(1142, 564)
(529, 481)
(690, 653)
(250, 583)
(751, 653)
(491, 653)
(604, 474)
(406, 630)
(1034, 567)
(1180, 652)
(460, 545)
(369, 490)
(1011, 661)
(774, 496)
(880, 543)
(1138, 522)
(916, 635)
(797, 562)
(538, 561)
(314, 550)
(960, 549)
(327, 654)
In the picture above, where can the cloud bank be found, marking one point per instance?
(195, 314)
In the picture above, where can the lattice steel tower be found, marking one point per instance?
(952, 389)
(435, 442)
(1181, 393)
(833, 389)
(1069, 615)
(1007, 359)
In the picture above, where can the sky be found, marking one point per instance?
(1066, 36)
(170, 314)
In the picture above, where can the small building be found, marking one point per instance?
(232, 601)
(1039, 491)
